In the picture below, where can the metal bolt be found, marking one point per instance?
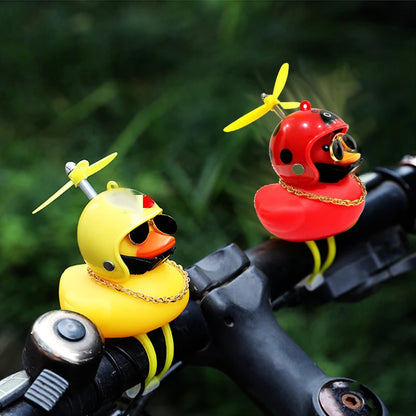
(352, 401)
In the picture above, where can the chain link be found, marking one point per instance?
(139, 295)
(328, 199)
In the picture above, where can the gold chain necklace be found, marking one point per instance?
(138, 295)
(328, 199)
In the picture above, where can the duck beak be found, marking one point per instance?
(349, 158)
(155, 244)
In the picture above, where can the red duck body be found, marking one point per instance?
(300, 218)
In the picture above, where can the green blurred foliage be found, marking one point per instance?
(157, 81)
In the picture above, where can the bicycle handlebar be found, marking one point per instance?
(229, 323)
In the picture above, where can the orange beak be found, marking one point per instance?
(155, 244)
(348, 158)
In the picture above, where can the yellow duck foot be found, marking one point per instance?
(153, 380)
(316, 278)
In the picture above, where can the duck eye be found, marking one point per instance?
(139, 234)
(337, 151)
(165, 224)
(349, 142)
(325, 147)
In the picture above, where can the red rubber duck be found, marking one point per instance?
(318, 195)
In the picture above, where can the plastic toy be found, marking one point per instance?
(317, 196)
(127, 286)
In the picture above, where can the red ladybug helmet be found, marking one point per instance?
(292, 143)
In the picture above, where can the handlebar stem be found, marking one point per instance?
(256, 352)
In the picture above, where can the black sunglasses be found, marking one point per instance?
(163, 223)
(340, 141)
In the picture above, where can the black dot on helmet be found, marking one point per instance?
(286, 156)
(327, 116)
(109, 266)
(298, 169)
(325, 147)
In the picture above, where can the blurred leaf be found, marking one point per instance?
(157, 82)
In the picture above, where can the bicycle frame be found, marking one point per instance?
(229, 323)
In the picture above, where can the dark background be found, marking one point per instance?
(157, 81)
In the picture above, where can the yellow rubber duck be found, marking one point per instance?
(127, 286)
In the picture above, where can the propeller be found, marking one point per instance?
(77, 174)
(271, 103)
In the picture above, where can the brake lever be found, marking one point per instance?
(13, 387)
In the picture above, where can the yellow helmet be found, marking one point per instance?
(106, 220)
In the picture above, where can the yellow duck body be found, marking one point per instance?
(118, 314)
